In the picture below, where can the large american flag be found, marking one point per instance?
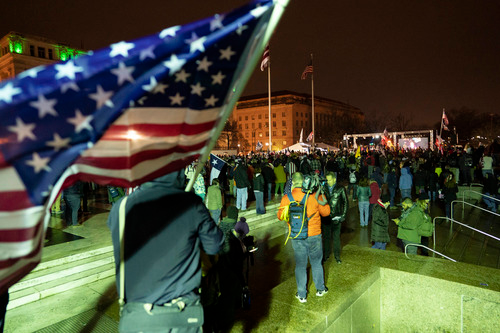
(122, 115)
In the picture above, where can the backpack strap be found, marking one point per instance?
(290, 197)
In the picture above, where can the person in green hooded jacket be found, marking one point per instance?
(408, 224)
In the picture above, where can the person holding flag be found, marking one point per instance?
(121, 116)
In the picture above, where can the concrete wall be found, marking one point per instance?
(416, 303)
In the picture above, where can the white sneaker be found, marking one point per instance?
(322, 292)
(301, 299)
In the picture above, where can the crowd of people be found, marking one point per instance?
(321, 185)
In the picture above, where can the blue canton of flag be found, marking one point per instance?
(217, 164)
(122, 115)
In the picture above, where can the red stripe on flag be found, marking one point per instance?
(127, 162)
(19, 235)
(14, 200)
(119, 132)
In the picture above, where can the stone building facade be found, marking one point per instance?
(19, 52)
(290, 113)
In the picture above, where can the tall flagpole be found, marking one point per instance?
(312, 94)
(269, 97)
(441, 130)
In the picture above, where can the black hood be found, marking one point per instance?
(174, 179)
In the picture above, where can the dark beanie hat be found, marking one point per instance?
(423, 196)
(232, 212)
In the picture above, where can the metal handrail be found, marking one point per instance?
(464, 203)
(481, 194)
(462, 224)
(428, 248)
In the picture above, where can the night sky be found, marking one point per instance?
(384, 56)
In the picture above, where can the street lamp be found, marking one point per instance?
(238, 152)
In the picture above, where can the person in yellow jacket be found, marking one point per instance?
(310, 248)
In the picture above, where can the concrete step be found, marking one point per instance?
(63, 274)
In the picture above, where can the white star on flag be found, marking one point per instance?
(58, 142)
(69, 85)
(177, 99)
(217, 79)
(120, 48)
(147, 53)
(23, 130)
(169, 32)
(240, 29)
(68, 70)
(210, 101)
(197, 45)
(204, 64)
(80, 121)
(216, 23)
(197, 89)
(7, 92)
(44, 106)
(160, 88)
(152, 84)
(182, 76)
(39, 163)
(226, 53)
(174, 64)
(102, 97)
(123, 73)
(32, 72)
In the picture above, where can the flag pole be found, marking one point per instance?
(312, 95)
(238, 85)
(441, 130)
(269, 97)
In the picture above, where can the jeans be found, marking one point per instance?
(447, 209)
(409, 249)
(379, 245)
(392, 191)
(269, 187)
(432, 195)
(405, 193)
(364, 211)
(215, 214)
(241, 198)
(71, 211)
(259, 202)
(490, 203)
(311, 248)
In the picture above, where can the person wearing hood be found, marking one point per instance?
(405, 183)
(165, 229)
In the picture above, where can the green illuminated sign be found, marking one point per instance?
(18, 47)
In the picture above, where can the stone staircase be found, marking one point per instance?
(73, 271)
(59, 275)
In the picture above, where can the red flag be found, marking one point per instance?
(265, 59)
(308, 69)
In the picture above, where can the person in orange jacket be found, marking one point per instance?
(310, 248)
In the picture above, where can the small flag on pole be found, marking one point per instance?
(258, 146)
(217, 164)
(310, 137)
(265, 59)
(307, 70)
(445, 119)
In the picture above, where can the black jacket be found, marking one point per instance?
(164, 229)
(337, 201)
